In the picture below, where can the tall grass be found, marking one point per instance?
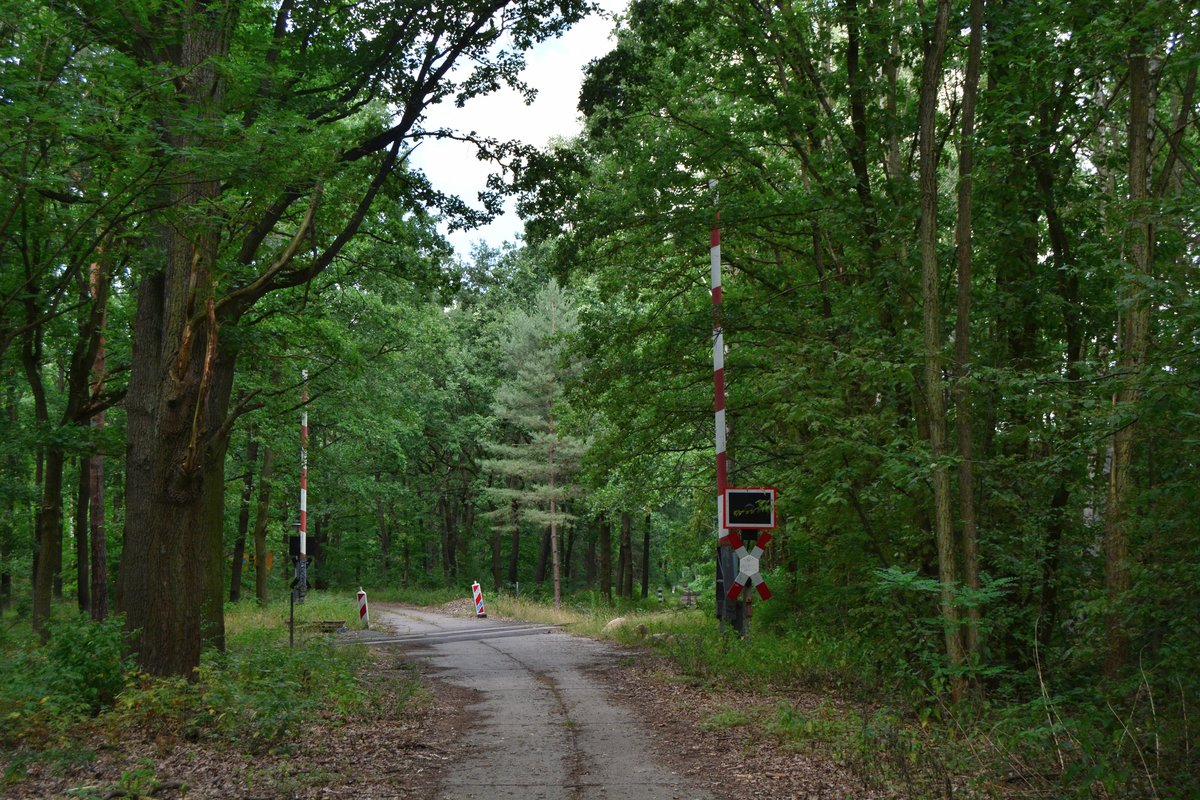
(252, 696)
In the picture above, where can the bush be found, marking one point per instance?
(75, 676)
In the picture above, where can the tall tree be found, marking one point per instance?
(544, 457)
(969, 534)
(301, 80)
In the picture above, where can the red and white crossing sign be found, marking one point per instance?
(748, 566)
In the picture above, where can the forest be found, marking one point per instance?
(960, 319)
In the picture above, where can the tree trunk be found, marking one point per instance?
(260, 526)
(466, 521)
(605, 542)
(98, 533)
(98, 283)
(589, 557)
(962, 330)
(646, 557)
(82, 501)
(514, 550)
(385, 534)
(8, 512)
(543, 563)
(933, 341)
(47, 526)
(239, 546)
(621, 559)
(1134, 340)
(449, 546)
(626, 555)
(553, 515)
(572, 533)
(497, 560)
(179, 384)
(385, 538)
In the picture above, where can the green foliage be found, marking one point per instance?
(46, 689)
(252, 697)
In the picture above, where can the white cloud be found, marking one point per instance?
(555, 69)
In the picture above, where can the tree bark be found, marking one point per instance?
(589, 557)
(1134, 341)
(243, 524)
(962, 330)
(646, 557)
(497, 560)
(605, 542)
(47, 530)
(626, 555)
(99, 599)
(933, 341)
(569, 551)
(179, 387)
(82, 501)
(99, 285)
(514, 549)
(260, 526)
(553, 515)
(543, 563)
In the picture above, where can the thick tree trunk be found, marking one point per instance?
(243, 524)
(82, 501)
(933, 341)
(179, 387)
(260, 526)
(1134, 341)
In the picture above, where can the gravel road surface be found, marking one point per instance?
(542, 726)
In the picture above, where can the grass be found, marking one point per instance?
(57, 699)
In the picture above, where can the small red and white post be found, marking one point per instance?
(363, 615)
(477, 593)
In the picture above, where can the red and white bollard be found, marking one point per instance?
(478, 595)
(363, 616)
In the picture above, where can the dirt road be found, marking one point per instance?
(542, 726)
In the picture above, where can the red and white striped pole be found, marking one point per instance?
(714, 257)
(363, 615)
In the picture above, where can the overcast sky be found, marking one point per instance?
(555, 69)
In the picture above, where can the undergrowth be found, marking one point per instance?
(253, 697)
(894, 726)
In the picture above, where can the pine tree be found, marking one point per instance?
(536, 461)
